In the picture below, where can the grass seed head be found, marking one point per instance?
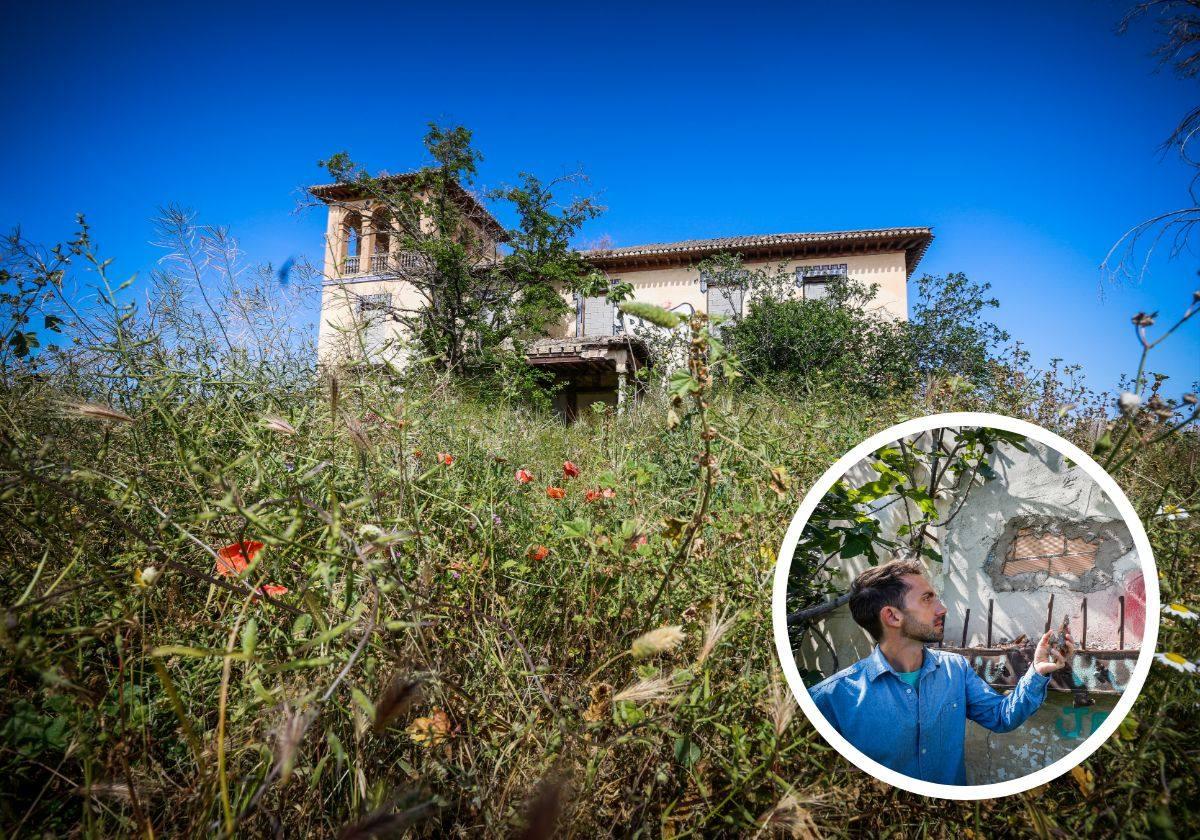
(645, 691)
(94, 411)
(658, 641)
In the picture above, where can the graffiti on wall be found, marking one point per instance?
(1099, 671)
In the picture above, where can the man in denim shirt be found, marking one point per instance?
(906, 705)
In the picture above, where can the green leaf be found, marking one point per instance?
(577, 529)
(249, 637)
(53, 322)
(687, 752)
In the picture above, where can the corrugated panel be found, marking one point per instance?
(597, 316)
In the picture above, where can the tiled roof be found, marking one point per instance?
(473, 206)
(914, 241)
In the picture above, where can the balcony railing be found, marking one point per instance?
(404, 262)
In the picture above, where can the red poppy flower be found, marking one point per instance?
(608, 493)
(591, 496)
(524, 476)
(234, 559)
(445, 458)
(570, 470)
(638, 540)
(274, 589)
(538, 552)
(417, 453)
(555, 492)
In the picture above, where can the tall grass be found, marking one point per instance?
(458, 651)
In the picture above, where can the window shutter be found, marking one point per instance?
(597, 316)
(375, 320)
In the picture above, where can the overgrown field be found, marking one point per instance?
(430, 640)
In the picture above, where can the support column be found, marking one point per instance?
(620, 387)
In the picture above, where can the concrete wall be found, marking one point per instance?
(1042, 488)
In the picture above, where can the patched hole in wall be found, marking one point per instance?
(1051, 552)
(1037, 551)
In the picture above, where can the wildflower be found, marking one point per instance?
(657, 641)
(1128, 402)
(234, 559)
(1171, 512)
(418, 454)
(1179, 611)
(430, 731)
(445, 459)
(555, 492)
(1143, 320)
(496, 520)
(637, 541)
(147, 576)
(608, 493)
(570, 470)
(523, 476)
(273, 590)
(278, 425)
(538, 552)
(591, 496)
(1179, 663)
(658, 688)
(95, 411)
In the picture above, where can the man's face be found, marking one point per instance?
(924, 615)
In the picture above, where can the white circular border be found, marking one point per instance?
(1093, 741)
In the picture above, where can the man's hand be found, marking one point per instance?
(1047, 659)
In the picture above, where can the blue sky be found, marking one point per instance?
(1026, 134)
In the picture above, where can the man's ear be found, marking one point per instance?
(891, 617)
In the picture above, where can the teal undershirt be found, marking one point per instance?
(909, 677)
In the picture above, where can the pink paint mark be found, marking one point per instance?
(1135, 607)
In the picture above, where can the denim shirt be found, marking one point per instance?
(919, 732)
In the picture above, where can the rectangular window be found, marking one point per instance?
(726, 300)
(594, 316)
(375, 322)
(812, 280)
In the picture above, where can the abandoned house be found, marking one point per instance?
(592, 353)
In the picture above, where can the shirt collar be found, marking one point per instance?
(877, 663)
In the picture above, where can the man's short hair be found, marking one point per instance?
(879, 587)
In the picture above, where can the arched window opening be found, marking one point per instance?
(381, 225)
(352, 236)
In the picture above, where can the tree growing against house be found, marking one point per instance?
(475, 304)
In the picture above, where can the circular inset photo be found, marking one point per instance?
(966, 606)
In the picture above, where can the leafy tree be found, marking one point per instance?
(474, 302)
(838, 338)
(948, 328)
